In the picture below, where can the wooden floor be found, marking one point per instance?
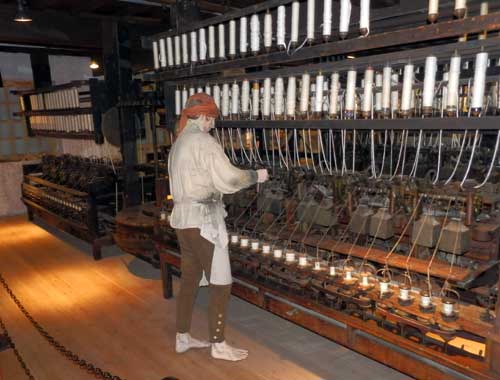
(113, 314)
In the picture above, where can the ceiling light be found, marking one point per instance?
(22, 14)
(94, 65)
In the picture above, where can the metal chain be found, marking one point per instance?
(16, 352)
(81, 363)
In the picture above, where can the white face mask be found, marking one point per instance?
(204, 123)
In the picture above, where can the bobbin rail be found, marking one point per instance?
(396, 38)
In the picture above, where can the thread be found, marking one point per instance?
(232, 38)
(202, 39)
(479, 81)
(327, 19)
(429, 83)
(211, 42)
(191, 91)
(163, 54)
(350, 92)
(311, 13)
(294, 32)
(394, 93)
(156, 59)
(268, 31)
(216, 95)
(235, 99)
(184, 97)
(460, 8)
(334, 94)
(304, 93)
(208, 90)
(318, 104)
(378, 94)
(406, 93)
(170, 52)
(281, 27)
(254, 34)
(433, 10)
(255, 100)
(278, 96)
(178, 102)
(453, 85)
(243, 36)
(364, 18)
(194, 47)
(366, 106)
(225, 100)
(291, 97)
(345, 17)
(266, 99)
(222, 42)
(245, 97)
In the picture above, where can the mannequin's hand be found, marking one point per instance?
(262, 175)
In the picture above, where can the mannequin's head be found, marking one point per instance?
(205, 123)
(202, 110)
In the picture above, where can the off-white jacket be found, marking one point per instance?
(200, 173)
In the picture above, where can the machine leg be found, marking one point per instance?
(166, 276)
(96, 251)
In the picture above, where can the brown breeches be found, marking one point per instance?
(196, 258)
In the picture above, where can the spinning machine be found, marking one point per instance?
(380, 226)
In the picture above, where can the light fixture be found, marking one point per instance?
(351, 57)
(94, 65)
(22, 14)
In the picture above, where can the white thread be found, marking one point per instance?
(184, 97)
(318, 104)
(407, 88)
(368, 91)
(364, 17)
(232, 38)
(479, 80)
(429, 81)
(266, 103)
(294, 34)
(378, 94)
(245, 96)
(225, 100)
(194, 47)
(281, 27)
(460, 4)
(278, 96)
(268, 30)
(254, 34)
(334, 94)
(327, 19)
(202, 40)
(163, 53)
(156, 59)
(304, 93)
(345, 17)
(311, 4)
(208, 90)
(211, 42)
(452, 95)
(222, 42)
(191, 91)
(291, 97)
(433, 7)
(243, 35)
(350, 93)
(255, 100)
(170, 52)
(235, 99)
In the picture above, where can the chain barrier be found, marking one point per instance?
(90, 368)
(11, 344)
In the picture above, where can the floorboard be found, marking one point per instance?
(112, 313)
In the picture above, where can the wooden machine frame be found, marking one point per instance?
(366, 337)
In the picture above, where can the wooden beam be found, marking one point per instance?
(401, 37)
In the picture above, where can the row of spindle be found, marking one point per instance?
(254, 34)
(347, 275)
(380, 94)
(61, 99)
(63, 124)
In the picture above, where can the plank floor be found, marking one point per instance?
(112, 313)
